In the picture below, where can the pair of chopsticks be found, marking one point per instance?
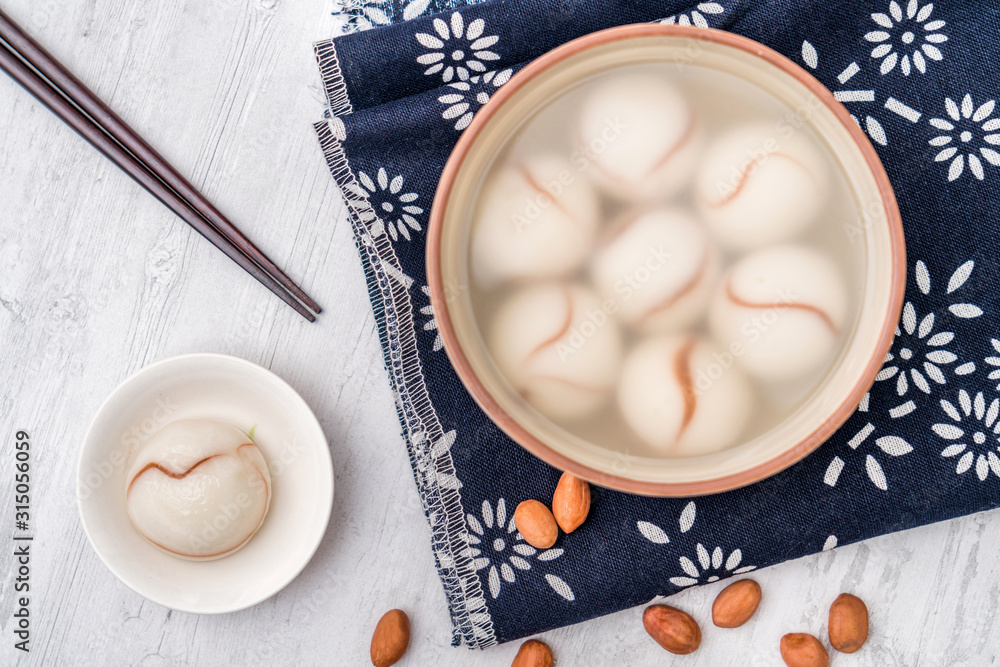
(38, 72)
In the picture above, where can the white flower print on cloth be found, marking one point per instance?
(428, 453)
(366, 14)
(917, 359)
(994, 361)
(415, 8)
(657, 535)
(847, 96)
(456, 50)
(696, 16)
(470, 95)
(714, 566)
(889, 444)
(495, 543)
(905, 38)
(431, 324)
(395, 207)
(967, 129)
(977, 427)
(919, 353)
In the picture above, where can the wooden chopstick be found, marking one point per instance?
(18, 70)
(65, 83)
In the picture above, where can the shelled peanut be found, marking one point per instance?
(533, 653)
(390, 639)
(678, 632)
(539, 526)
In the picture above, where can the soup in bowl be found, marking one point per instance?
(666, 260)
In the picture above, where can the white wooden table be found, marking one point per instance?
(97, 280)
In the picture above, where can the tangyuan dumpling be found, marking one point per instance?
(658, 266)
(682, 397)
(640, 136)
(537, 220)
(756, 188)
(557, 345)
(784, 309)
(199, 489)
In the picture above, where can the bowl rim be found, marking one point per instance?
(295, 571)
(539, 448)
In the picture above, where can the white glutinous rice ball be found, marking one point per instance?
(756, 187)
(659, 267)
(199, 489)
(781, 311)
(639, 137)
(558, 347)
(683, 397)
(537, 219)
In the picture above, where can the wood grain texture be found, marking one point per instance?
(97, 280)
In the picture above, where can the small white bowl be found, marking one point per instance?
(213, 386)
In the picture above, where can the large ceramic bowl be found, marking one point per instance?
(878, 229)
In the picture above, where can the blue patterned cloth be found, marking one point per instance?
(920, 79)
